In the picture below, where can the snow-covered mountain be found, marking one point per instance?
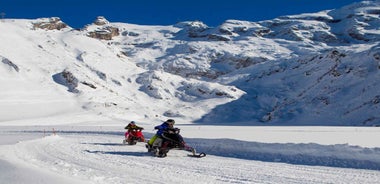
(311, 69)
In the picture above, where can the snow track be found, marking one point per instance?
(102, 158)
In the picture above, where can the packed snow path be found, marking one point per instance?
(100, 157)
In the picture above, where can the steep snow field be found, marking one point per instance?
(311, 69)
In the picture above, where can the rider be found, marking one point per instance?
(133, 129)
(156, 139)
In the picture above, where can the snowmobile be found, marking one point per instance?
(171, 139)
(134, 136)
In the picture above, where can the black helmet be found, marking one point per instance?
(132, 123)
(170, 121)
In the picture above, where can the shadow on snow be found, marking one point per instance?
(129, 153)
(340, 155)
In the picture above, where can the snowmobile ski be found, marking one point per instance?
(200, 155)
(194, 153)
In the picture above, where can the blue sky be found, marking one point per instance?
(78, 13)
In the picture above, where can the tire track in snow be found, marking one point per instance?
(101, 158)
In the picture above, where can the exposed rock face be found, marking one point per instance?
(50, 24)
(10, 63)
(218, 37)
(71, 80)
(67, 79)
(104, 34)
(194, 29)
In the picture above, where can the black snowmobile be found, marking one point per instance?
(171, 139)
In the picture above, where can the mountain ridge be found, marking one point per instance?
(310, 69)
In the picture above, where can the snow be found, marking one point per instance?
(55, 130)
(95, 154)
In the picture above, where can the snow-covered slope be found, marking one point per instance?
(311, 69)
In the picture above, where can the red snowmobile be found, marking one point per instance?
(133, 136)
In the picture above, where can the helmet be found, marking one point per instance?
(171, 121)
(132, 123)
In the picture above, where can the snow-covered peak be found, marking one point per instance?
(364, 8)
(101, 20)
(52, 23)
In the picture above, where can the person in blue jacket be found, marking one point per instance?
(168, 124)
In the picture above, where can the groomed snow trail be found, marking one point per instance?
(102, 158)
